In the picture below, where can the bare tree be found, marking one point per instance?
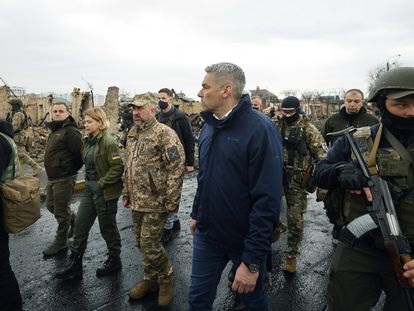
(287, 93)
(90, 87)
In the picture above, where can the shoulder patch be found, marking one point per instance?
(115, 157)
(173, 153)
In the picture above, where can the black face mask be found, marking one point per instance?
(293, 118)
(393, 122)
(162, 104)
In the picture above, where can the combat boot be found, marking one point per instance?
(73, 269)
(72, 224)
(176, 225)
(142, 288)
(111, 265)
(165, 294)
(290, 265)
(58, 244)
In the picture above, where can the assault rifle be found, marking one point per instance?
(381, 214)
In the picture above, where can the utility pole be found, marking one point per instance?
(388, 61)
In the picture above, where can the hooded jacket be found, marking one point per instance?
(237, 203)
(63, 156)
(179, 122)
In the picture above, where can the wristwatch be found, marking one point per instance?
(253, 268)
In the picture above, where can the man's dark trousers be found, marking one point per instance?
(209, 260)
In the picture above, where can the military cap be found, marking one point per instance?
(140, 101)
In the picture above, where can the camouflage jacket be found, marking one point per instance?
(309, 144)
(19, 128)
(154, 168)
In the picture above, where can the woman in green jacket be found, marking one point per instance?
(103, 180)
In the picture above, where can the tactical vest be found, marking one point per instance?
(399, 175)
(295, 151)
(10, 172)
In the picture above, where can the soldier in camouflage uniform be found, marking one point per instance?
(302, 144)
(154, 170)
(359, 273)
(18, 119)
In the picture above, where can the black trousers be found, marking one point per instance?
(10, 298)
(358, 276)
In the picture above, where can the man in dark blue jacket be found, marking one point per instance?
(237, 202)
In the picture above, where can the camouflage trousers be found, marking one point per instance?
(296, 207)
(24, 158)
(58, 197)
(148, 230)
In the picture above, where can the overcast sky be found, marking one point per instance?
(144, 45)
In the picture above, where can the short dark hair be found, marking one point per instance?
(167, 91)
(61, 103)
(354, 90)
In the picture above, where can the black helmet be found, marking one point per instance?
(291, 102)
(399, 80)
(15, 102)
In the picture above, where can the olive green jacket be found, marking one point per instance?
(109, 165)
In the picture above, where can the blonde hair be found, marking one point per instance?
(98, 115)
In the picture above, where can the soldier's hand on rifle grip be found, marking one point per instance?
(351, 177)
(409, 270)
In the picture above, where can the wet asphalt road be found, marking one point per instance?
(302, 291)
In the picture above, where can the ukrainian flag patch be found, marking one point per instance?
(115, 157)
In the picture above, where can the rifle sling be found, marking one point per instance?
(372, 162)
(397, 146)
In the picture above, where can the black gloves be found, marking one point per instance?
(350, 177)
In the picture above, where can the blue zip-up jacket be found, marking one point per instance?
(237, 203)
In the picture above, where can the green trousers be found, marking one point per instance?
(358, 276)
(58, 196)
(93, 205)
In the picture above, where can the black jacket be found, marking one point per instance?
(63, 156)
(342, 120)
(179, 122)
